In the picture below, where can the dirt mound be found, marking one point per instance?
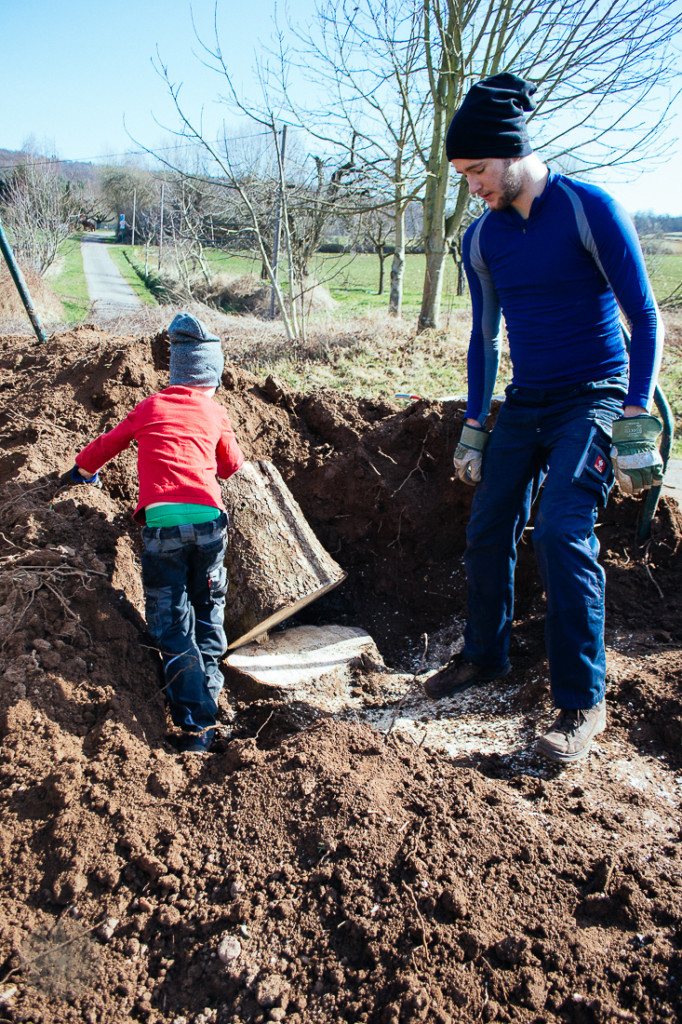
(329, 871)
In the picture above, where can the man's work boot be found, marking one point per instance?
(570, 736)
(459, 675)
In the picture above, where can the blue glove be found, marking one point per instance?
(469, 454)
(636, 460)
(78, 479)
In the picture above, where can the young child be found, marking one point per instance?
(184, 439)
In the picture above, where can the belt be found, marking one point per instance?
(612, 384)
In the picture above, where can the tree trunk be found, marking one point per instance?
(395, 300)
(460, 278)
(437, 247)
(446, 83)
(275, 563)
(382, 257)
(436, 251)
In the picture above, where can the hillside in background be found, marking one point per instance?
(72, 170)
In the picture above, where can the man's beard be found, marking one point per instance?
(510, 188)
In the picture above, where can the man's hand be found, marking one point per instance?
(635, 457)
(469, 454)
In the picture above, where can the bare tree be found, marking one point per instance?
(399, 69)
(41, 209)
(190, 205)
(378, 227)
(394, 64)
(188, 223)
(227, 173)
(595, 65)
(367, 56)
(306, 198)
(311, 199)
(92, 207)
(134, 192)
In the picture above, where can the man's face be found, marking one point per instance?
(495, 180)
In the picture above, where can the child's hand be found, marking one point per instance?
(79, 476)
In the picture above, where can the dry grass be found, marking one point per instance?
(372, 355)
(250, 294)
(48, 307)
(673, 330)
(245, 294)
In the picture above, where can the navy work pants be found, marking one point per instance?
(551, 445)
(185, 586)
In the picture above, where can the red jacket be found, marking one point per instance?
(183, 439)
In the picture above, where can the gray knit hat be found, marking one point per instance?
(196, 355)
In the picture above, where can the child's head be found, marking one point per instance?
(196, 355)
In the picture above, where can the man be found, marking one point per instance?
(557, 258)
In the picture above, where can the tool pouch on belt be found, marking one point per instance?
(594, 471)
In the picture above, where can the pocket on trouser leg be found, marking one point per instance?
(594, 471)
(158, 610)
(217, 585)
(210, 627)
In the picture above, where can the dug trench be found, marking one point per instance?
(396, 862)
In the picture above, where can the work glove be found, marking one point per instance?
(75, 478)
(635, 457)
(469, 454)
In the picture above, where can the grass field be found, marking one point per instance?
(665, 273)
(130, 277)
(351, 281)
(370, 356)
(68, 280)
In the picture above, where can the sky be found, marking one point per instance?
(82, 73)
(83, 84)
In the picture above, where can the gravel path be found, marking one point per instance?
(109, 292)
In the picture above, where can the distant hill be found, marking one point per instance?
(72, 170)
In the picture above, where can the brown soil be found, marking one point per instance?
(330, 871)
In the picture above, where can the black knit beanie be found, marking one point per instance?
(490, 121)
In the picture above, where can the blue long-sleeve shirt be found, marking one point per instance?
(559, 278)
